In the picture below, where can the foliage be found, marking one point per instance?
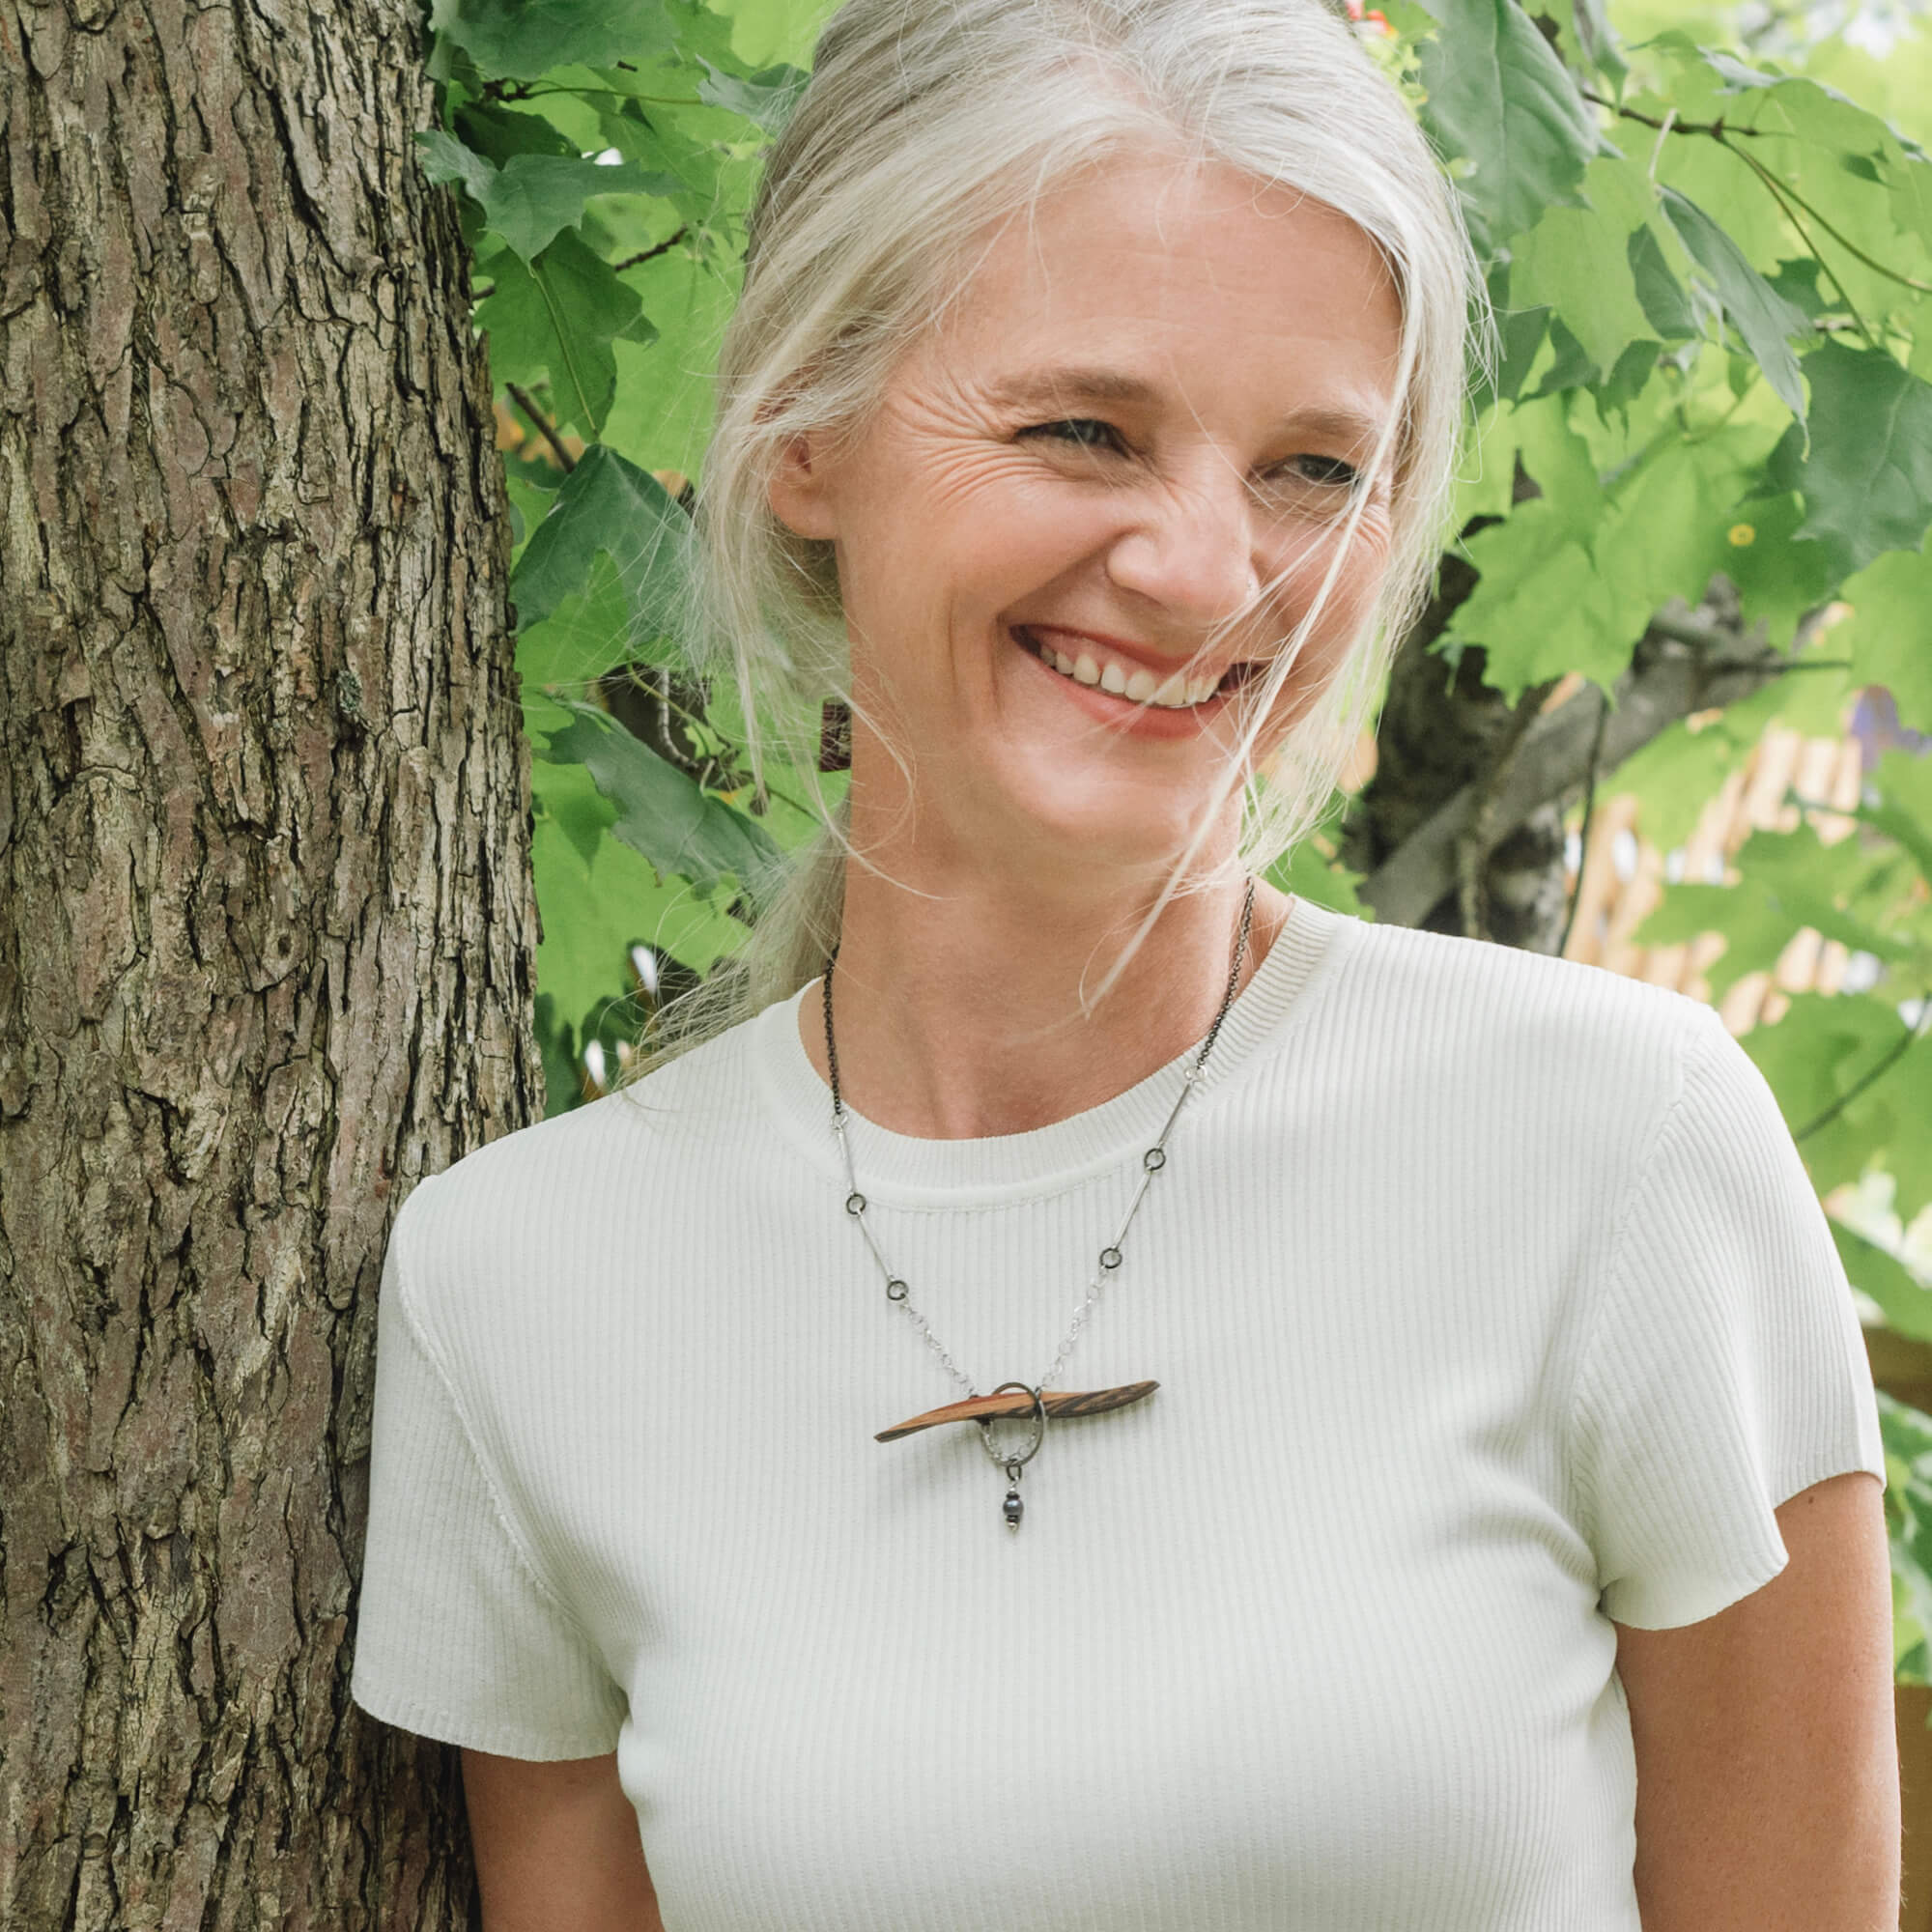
(1710, 270)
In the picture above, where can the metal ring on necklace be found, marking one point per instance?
(1012, 1463)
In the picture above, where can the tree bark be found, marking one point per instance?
(267, 933)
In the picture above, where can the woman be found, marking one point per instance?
(1502, 1546)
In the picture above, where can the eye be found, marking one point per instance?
(1329, 470)
(1082, 431)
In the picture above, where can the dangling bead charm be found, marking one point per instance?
(1013, 1508)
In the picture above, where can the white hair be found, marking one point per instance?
(925, 126)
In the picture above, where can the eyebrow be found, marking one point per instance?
(1051, 389)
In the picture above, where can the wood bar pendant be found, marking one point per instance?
(984, 1408)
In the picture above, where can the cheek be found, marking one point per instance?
(1351, 603)
(1305, 561)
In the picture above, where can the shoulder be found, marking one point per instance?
(1474, 997)
(1525, 1052)
(540, 1214)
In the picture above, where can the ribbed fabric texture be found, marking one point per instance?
(1488, 1298)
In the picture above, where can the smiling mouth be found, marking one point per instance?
(1100, 671)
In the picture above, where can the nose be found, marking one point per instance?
(1191, 548)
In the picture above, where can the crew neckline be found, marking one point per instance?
(912, 1169)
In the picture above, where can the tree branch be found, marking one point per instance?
(1480, 837)
(545, 428)
(1556, 757)
(664, 247)
(1589, 809)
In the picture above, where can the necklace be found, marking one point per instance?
(1016, 1398)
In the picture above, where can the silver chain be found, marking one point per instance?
(1110, 1256)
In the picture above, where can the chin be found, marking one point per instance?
(1105, 823)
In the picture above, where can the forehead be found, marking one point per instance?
(1172, 272)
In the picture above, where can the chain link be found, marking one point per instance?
(1151, 1164)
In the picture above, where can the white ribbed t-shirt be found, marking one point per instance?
(1488, 1301)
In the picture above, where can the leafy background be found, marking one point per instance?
(1708, 234)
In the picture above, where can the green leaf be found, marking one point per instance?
(1659, 293)
(1585, 37)
(566, 797)
(1311, 871)
(1757, 929)
(1498, 96)
(662, 812)
(766, 99)
(497, 132)
(1566, 366)
(1825, 1044)
(524, 40)
(768, 32)
(555, 320)
(589, 633)
(1761, 315)
(664, 398)
(595, 909)
(555, 1041)
(607, 504)
(1778, 580)
(445, 158)
(1902, 781)
(532, 197)
(1866, 478)
(1577, 262)
(1907, 1304)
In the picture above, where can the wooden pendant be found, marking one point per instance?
(984, 1408)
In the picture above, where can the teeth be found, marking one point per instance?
(1140, 686)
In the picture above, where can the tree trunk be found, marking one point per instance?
(266, 934)
(1443, 729)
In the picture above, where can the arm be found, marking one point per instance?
(556, 1846)
(1767, 1755)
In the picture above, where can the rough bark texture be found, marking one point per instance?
(266, 934)
(1440, 731)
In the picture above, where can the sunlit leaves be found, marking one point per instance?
(1501, 100)
(1572, 578)
(1576, 261)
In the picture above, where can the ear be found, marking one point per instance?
(800, 492)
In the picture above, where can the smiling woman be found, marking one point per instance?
(1231, 508)
(1406, 1547)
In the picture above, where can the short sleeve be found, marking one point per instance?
(1724, 1371)
(457, 1636)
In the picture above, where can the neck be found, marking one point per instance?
(957, 1006)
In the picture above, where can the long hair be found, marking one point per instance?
(926, 125)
